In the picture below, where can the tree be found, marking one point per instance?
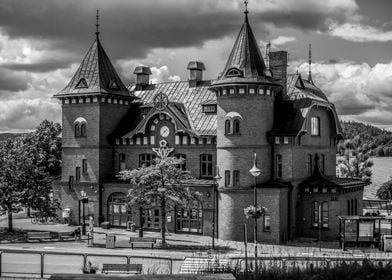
(162, 184)
(385, 191)
(355, 163)
(26, 164)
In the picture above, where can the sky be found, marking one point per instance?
(42, 42)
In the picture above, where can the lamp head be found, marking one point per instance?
(217, 176)
(254, 170)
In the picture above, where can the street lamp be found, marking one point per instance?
(84, 200)
(255, 173)
(216, 179)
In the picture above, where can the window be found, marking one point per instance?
(236, 127)
(205, 165)
(236, 178)
(325, 214)
(121, 162)
(82, 83)
(181, 166)
(315, 126)
(267, 222)
(233, 72)
(77, 173)
(355, 207)
(209, 109)
(119, 213)
(84, 166)
(190, 218)
(77, 130)
(315, 214)
(227, 127)
(278, 166)
(146, 160)
(177, 139)
(83, 130)
(322, 163)
(277, 140)
(71, 182)
(309, 165)
(227, 178)
(285, 140)
(348, 207)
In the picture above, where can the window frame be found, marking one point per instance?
(76, 130)
(84, 166)
(206, 160)
(227, 178)
(325, 214)
(71, 182)
(83, 130)
(227, 127)
(146, 159)
(267, 222)
(309, 165)
(236, 127)
(236, 178)
(77, 173)
(278, 166)
(315, 214)
(315, 126)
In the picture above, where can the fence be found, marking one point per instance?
(45, 263)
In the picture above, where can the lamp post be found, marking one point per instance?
(216, 179)
(84, 200)
(255, 173)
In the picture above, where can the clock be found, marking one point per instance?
(164, 131)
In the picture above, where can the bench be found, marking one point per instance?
(33, 236)
(65, 236)
(142, 241)
(122, 268)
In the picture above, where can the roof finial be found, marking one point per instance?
(97, 24)
(246, 12)
(310, 64)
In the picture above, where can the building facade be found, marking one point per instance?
(253, 107)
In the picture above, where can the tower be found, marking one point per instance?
(93, 103)
(245, 102)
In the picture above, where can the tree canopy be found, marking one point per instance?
(162, 185)
(385, 191)
(26, 164)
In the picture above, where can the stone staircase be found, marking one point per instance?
(199, 265)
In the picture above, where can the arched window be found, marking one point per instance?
(315, 214)
(183, 157)
(279, 167)
(234, 72)
(325, 214)
(236, 126)
(309, 165)
(83, 130)
(315, 126)
(119, 212)
(190, 219)
(77, 130)
(121, 162)
(227, 127)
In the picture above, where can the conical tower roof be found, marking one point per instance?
(95, 75)
(245, 63)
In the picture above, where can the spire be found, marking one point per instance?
(245, 63)
(97, 25)
(310, 80)
(96, 74)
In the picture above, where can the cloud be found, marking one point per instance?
(359, 33)
(358, 90)
(277, 42)
(162, 74)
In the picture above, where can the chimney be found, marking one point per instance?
(278, 66)
(196, 73)
(142, 76)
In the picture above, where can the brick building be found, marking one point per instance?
(254, 106)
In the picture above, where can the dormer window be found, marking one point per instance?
(209, 109)
(113, 84)
(234, 72)
(82, 83)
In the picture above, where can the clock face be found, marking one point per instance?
(165, 131)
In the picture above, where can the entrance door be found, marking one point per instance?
(119, 212)
(151, 219)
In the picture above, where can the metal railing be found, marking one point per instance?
(40, 260)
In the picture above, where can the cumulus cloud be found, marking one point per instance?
(357, 32)
(358, 90)
(162, 74)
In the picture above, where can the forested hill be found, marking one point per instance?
(367, 138)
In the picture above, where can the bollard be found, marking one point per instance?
(42, 265)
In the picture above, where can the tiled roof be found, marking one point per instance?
(180, 94)
(322, 181)
(95, 75)
(246, 57)
(298, 88)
